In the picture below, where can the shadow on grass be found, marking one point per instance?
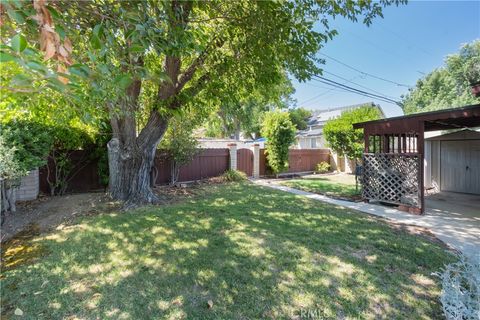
(255, 253)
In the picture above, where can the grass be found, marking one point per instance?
(253, 252)
(339, 185)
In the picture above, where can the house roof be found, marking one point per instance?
(319, 117)
(310, 133)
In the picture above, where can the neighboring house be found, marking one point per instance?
(312, 137)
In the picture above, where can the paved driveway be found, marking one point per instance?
(455, 222)
(457, 219)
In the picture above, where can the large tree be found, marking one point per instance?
(146, 60)
(448, 86)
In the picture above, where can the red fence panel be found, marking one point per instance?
(299, 160)
(205, 164)
(245, 161)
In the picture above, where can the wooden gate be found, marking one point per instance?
(245, 161)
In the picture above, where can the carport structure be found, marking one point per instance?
(393, 160)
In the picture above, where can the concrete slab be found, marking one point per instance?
(459, 228)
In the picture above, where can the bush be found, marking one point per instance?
(280, 133)
(234, 175)
(342, 137)
(461, 289)
(322, 167)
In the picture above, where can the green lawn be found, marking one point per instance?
(254, 252)
(340, 185)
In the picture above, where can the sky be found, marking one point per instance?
(408, 43)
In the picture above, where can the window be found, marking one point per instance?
(313, 143)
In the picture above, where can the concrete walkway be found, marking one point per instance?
(460, 234)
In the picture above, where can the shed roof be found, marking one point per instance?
(454, 118)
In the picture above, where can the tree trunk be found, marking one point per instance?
(130, 171)
(131, 163)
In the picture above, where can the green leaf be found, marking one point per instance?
(54, 12)
(95, 42)
(21, 80)
(16, 15)
(5, 57)
(18, 43)
(35, 65)
(79, 70)
(123, 80)
(98, 30)
(61, 32)
(137, 48)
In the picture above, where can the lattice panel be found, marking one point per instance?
(392, 178)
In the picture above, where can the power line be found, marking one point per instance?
(329, 89)
(357, 84)
(354, 90)
(365, 73)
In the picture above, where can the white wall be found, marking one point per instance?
(29, 187)
(306, 143)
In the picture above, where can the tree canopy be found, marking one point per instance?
(299, 117)
(448, 86)
(142, 62)
(341, 136)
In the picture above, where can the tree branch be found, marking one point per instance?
(188, 74)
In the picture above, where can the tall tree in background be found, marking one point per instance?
(448, 86)
(299, 117)
(242, 112)
(146, 60)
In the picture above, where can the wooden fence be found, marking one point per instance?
(206, 163)
(299, 160)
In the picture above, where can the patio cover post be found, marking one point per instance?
(421, 154)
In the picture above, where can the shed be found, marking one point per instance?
(395, 155)
(452, 162)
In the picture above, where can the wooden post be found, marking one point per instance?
(366, 140)
(421, 155)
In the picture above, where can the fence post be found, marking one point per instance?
(256, 161)
(233, 156)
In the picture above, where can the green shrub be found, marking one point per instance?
(279, 131)
(234, 175)
(322, 167)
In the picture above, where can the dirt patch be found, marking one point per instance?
(20, 250)
(47, 213)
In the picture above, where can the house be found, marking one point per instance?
(312, 137)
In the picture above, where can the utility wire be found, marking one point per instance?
(363, 72)
(329, 89)
(354, 90)
(359, 85)
(357, 91)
